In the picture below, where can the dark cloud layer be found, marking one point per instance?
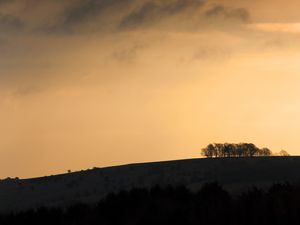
(4, 1)
(115, 15)
(10, 23)
(153, 11)
(88, 11)
(219, 11)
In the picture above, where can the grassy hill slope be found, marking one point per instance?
(235, 174)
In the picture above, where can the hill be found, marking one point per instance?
(235, 174)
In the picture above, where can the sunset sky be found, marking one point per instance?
(87, 83)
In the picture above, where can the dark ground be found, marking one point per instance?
(90, 186)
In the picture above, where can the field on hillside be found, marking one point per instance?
(235, 174)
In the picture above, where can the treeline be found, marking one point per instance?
(234, 150)
(177, 206)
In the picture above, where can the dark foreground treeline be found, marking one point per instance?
(212, 205)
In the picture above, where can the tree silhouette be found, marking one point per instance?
(211, 204)
(283, 153)
(218, 150)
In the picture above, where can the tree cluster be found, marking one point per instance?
(234, 150)
(177, 206)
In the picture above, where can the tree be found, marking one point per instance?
(218, 150)
(266, 152)
(208, 151)
(283, 153)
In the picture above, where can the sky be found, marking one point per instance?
(95, 83)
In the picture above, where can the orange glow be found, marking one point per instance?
(278, 27)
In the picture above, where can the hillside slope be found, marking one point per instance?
(92, 185)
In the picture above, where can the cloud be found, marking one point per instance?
(212, 54)
(5, 1)
(26, 90)
(10, 23)
(77, 16)
(91, 32)
(128, 54)
(87, 9)
(119, 15)
(81, 14)
(155, 11)
(90, 9)
(222, 12)
(240, 13)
